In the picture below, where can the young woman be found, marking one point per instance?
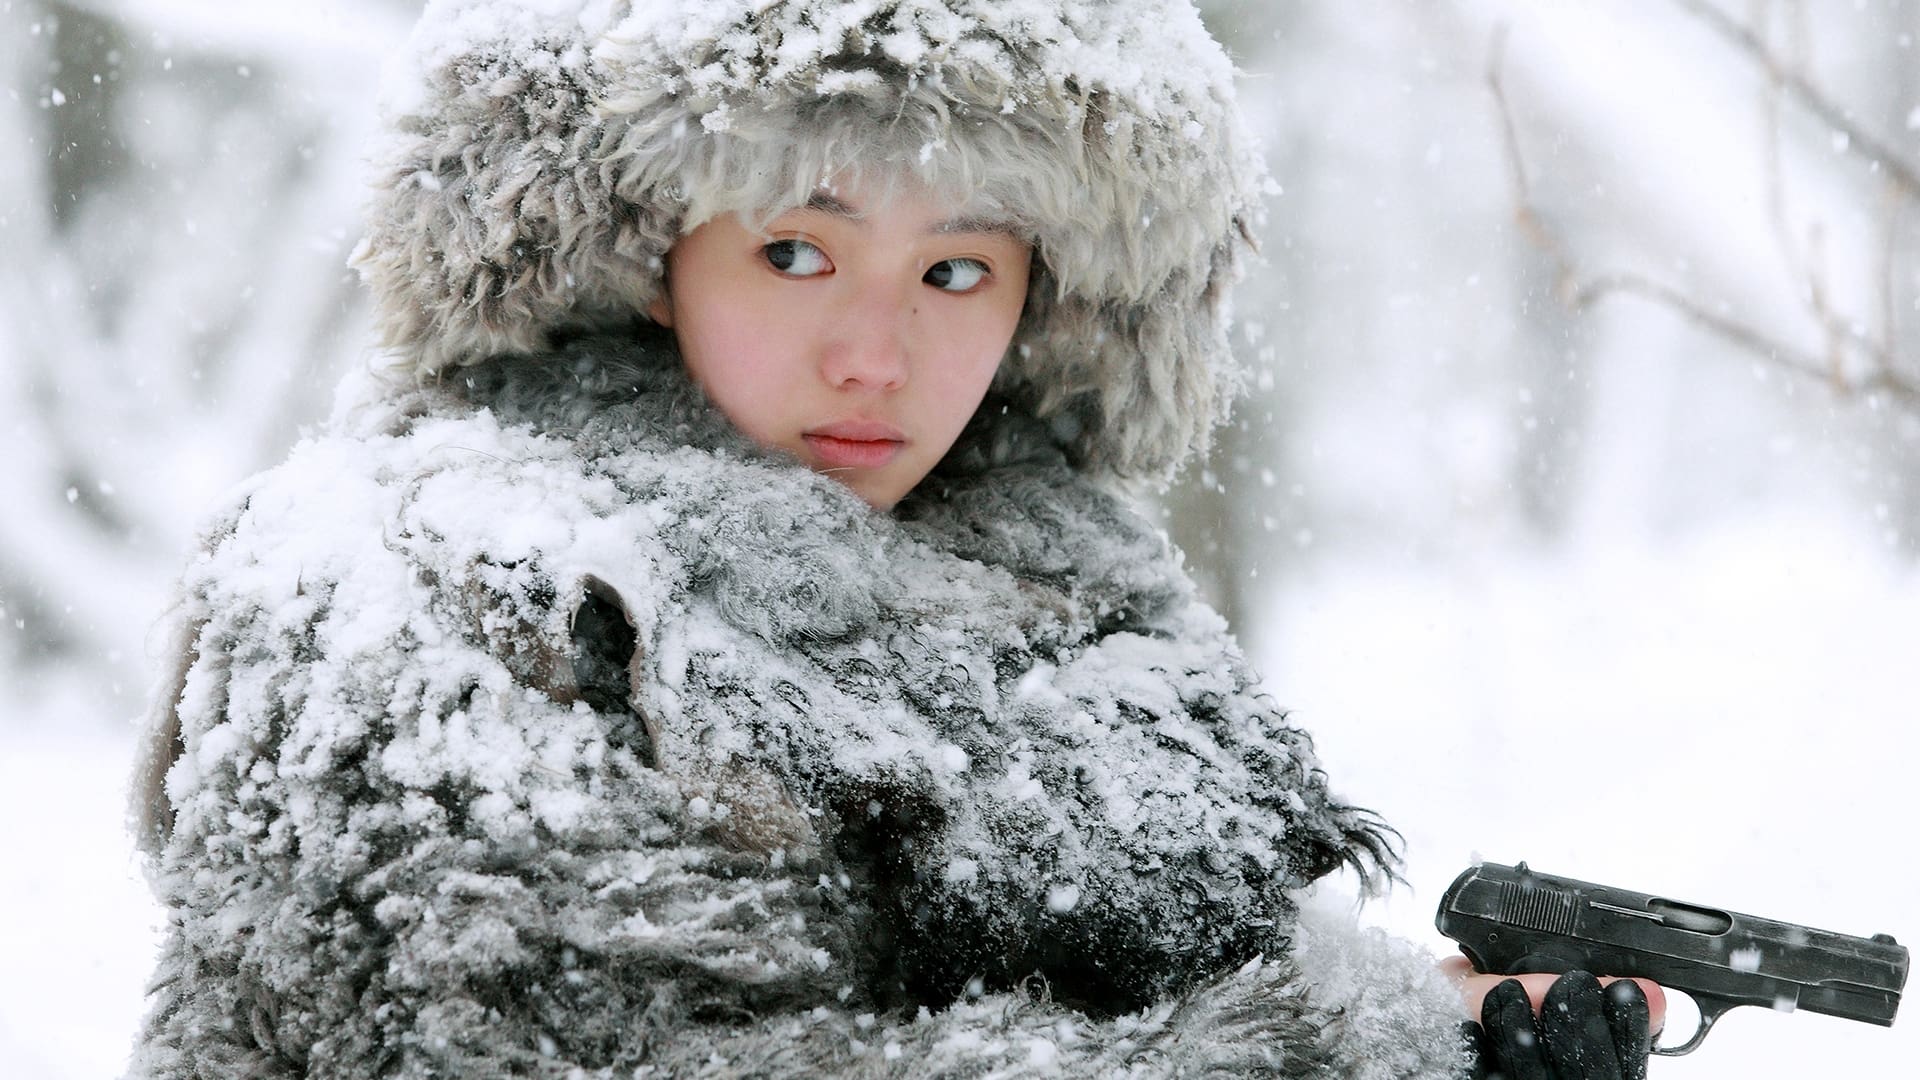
(717, 646)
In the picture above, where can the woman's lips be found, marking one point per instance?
(854, 444)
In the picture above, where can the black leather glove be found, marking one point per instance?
(1582, 1033)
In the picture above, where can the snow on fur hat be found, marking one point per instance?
(545, 154)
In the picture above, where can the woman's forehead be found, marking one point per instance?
(858, 198)
(938, 216)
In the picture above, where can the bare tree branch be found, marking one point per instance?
(1808, 262)
(1525, 215)
(1842, 337)
(1861, 143)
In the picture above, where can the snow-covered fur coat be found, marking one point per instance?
(539, 723)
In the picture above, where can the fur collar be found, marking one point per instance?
(1005, 497)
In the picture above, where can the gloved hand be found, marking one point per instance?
(1582, 1032)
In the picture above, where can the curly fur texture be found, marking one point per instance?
(539, 171)
(913, 795)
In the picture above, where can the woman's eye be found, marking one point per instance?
(796, 258)
(956, 275)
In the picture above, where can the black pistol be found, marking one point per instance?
(1510, 920)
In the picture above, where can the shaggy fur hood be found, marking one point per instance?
(543, 724)
(543, 156)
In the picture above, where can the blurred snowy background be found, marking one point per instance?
(1577, 511)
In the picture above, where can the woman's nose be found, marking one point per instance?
(868, 344)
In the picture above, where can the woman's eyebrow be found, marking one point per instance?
(966, 224)
(828, 204)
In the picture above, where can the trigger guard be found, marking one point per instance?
(1479, 965)
(1710, 1011)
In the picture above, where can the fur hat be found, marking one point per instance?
(544, 155)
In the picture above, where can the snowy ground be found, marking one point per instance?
(1723, 719)
(77, 928)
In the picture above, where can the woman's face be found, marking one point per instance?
(857, 335)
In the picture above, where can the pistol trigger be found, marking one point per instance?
(1711, 1009)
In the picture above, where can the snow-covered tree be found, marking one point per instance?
(176, 212)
